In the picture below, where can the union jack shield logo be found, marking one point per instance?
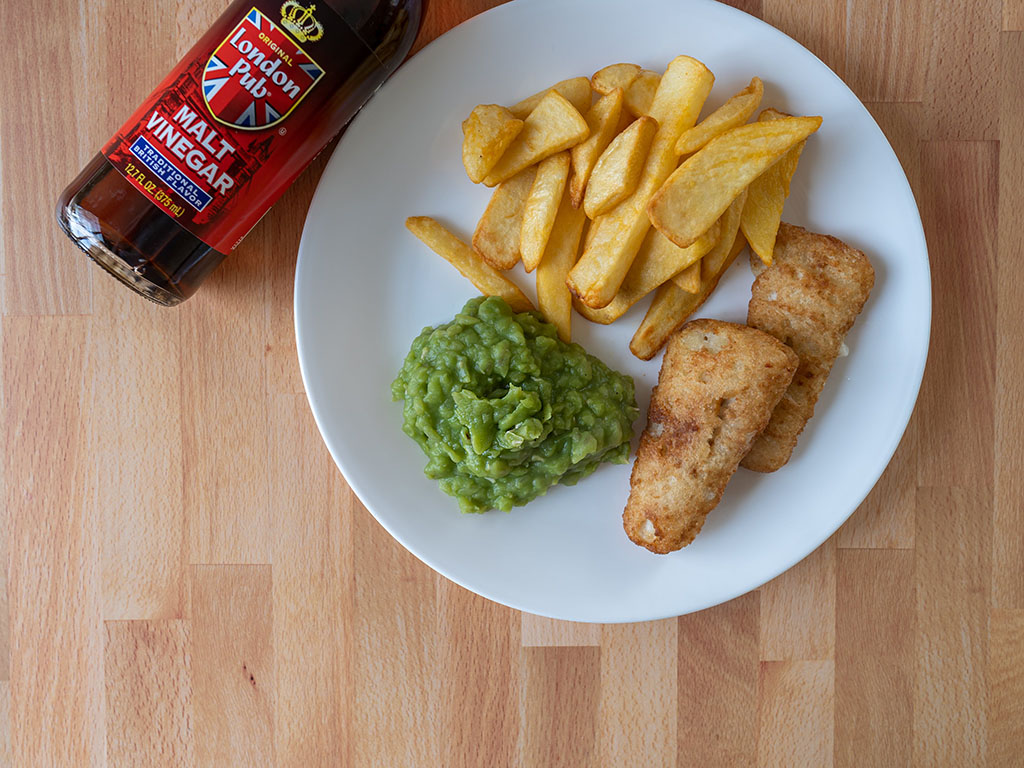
(257, 75)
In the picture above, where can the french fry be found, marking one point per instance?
(487, 133)
(736, 111)
(672, 306)
(497, 235)
(657, 261)
(541, 206)
(603, 121)
(575, 89)
(640, 94)
(700, 190)
(689, 278)
(554, 125)
(553, 297)
(460, 255)
(614, 76)
(617, 236)
(617, 172)
(713, 260)
(768, 192)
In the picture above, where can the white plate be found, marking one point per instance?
(364, 287)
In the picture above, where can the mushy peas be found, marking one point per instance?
(504, 409)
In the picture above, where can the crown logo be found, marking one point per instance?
(300, 22)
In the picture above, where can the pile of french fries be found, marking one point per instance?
(611, 190)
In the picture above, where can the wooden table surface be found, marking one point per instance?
(190, 581)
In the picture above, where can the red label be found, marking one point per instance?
(200, 146)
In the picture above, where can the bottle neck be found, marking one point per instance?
(386, 27)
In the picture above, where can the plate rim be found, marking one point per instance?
(916, 375)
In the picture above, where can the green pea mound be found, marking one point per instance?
(504, 409)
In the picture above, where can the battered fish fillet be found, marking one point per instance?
(718, 385)
(808, 299)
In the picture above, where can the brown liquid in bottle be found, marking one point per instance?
(136, 240)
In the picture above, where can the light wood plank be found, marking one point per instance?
(397, 680)
(953, 547)
(224, 333)
(961, 94)
(819, 26)
(313, 605)
(560, 694)
(1013, 15)
(480, 669)
(1008, 538)
(57, 279)
(902, 125)
(148, 671)
(135, 450)
(56, 632)
(1005, 686)
(233, 665)
(895, 33)
(798, 609)
(540, 630)
(796, 717)
(637, 713)
(718, 684)
(874, 687)
(753, 7)
(5, 722)
(956, 443)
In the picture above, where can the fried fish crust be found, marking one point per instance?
(808, 299)
(718, 386)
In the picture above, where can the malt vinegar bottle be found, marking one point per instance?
(226, 132)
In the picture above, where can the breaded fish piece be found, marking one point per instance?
(718, 385)
(808, 299)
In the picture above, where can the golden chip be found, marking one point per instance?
(768, 192)
(487, 133)
(617, 172)
(553, 297)
(640, 94)
(672, 306)
(617, 236)
(603, 120)
(736, 111)
(700, 190)
(554, 125)
(460, 255)
(575, 89)
(497, 233)
(614, 76)
(541, 206)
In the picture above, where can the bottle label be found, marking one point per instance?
(201, 145)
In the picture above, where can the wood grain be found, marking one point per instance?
(1005, 686)
(55, 610)
(795, 716)
(718, 685)
(312, 573)
(960, 86)
(959, 219)
(560, 695)
(148, 674)
(189, 581)
(798, 609)
(819, 26)
(637, 713)
(233, 665)
(953, 556)
(56, 280)
(894, 31)
(1008, 535)
(481, 720)
(874, 686)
